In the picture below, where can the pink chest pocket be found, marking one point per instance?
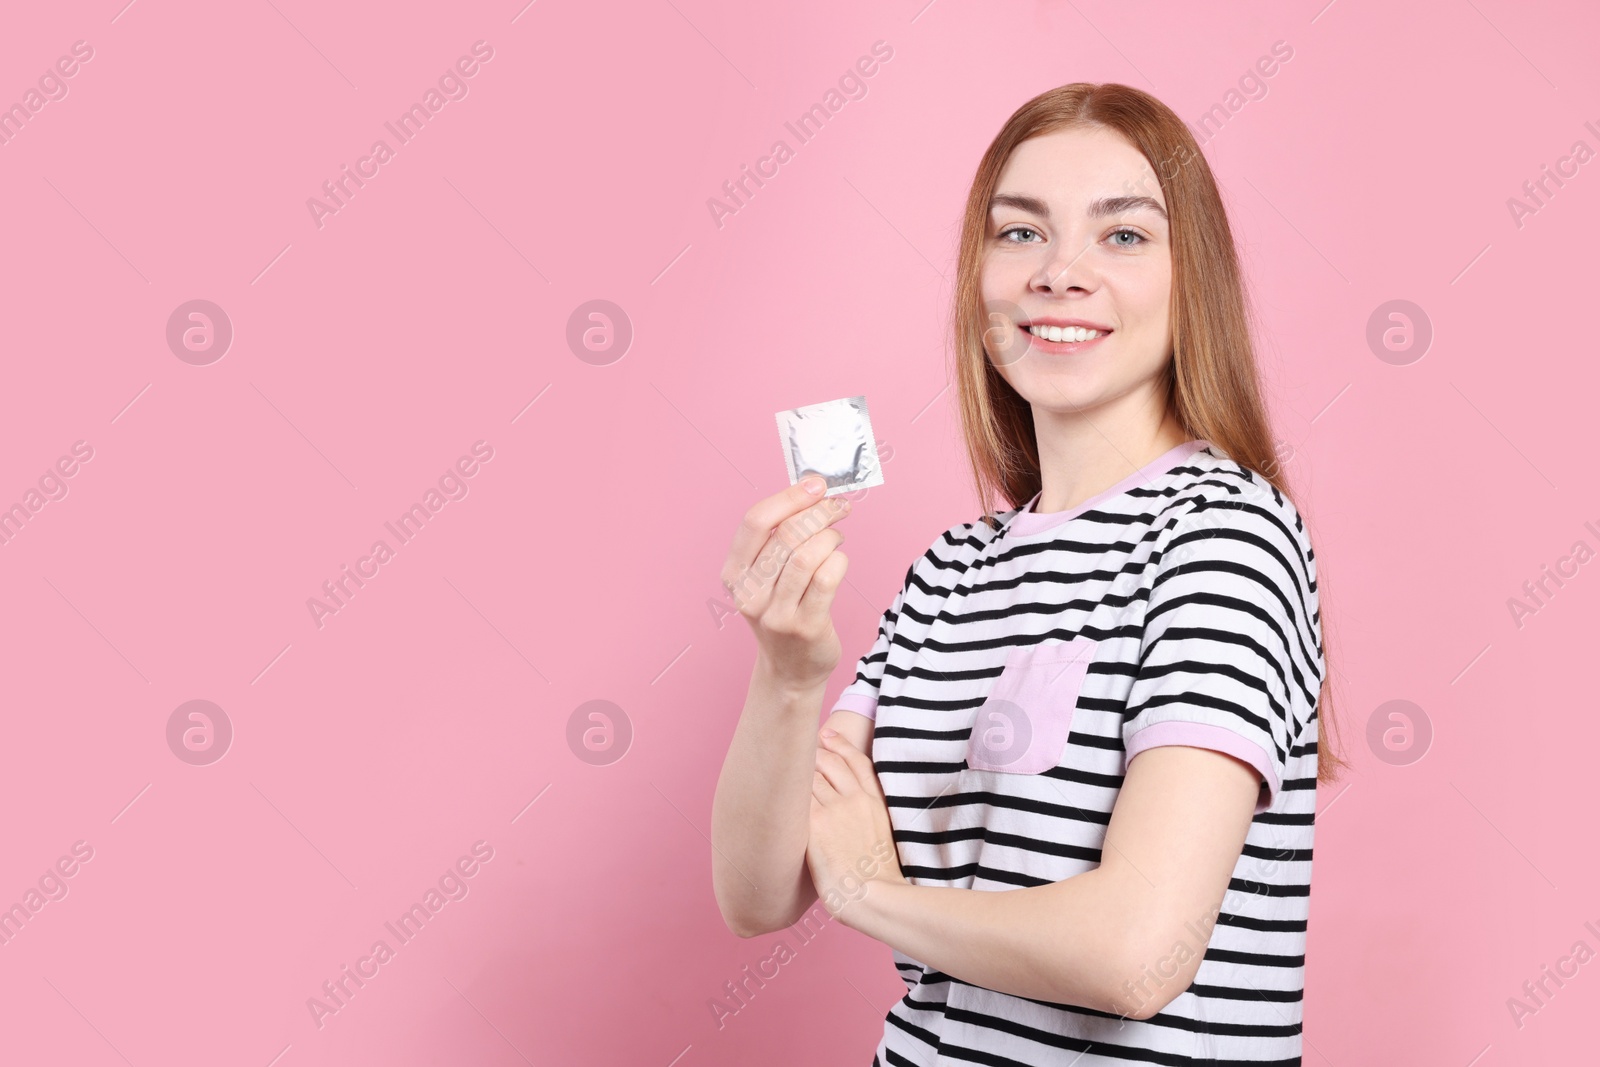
(1024, 724)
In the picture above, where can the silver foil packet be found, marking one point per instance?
(834, 440)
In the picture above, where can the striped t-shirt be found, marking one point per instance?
(1016, 673)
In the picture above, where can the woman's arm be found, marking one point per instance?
(782, 571)
(761, 810)
(1126, 937)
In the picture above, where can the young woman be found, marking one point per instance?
(1073, 783)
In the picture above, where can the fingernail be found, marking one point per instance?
(830, 733)
(813, 485)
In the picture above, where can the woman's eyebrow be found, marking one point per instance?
(1106, 205)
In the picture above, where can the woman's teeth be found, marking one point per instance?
(1063, 333)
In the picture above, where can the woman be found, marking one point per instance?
(974, 800)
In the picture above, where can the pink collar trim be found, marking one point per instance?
(1028, 522)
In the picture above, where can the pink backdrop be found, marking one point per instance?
(368, 751)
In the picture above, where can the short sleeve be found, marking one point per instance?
(861, 695)
(1230, 658)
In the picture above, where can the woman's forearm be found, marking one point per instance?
(1062, 942)
(760, 815)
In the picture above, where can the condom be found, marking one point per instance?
(833, 440)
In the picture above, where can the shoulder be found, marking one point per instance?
(955, 548)
(1228, 532)
(1215, 495)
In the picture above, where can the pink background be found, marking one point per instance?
(432, 311)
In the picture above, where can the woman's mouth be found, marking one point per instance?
(1063, 339)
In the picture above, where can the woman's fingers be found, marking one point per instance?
(839, 775)
(757, 525)
(800, 565)
(768, 534)
(859, 763)
(816, 604)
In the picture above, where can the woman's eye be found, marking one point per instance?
(1138, 238)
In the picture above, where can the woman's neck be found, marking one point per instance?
(1076, 468)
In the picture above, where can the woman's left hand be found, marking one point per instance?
(852, 841)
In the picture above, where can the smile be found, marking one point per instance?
(1064, 338)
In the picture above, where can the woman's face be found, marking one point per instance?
(1078, 233)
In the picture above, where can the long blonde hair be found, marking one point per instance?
(1212, 379)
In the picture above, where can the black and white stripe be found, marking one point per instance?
(1193, 587)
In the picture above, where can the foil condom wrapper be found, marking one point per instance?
(834, 440)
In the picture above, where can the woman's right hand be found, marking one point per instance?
(782, 572)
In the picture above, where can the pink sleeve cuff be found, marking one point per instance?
(1216, 738)
(859, 703)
